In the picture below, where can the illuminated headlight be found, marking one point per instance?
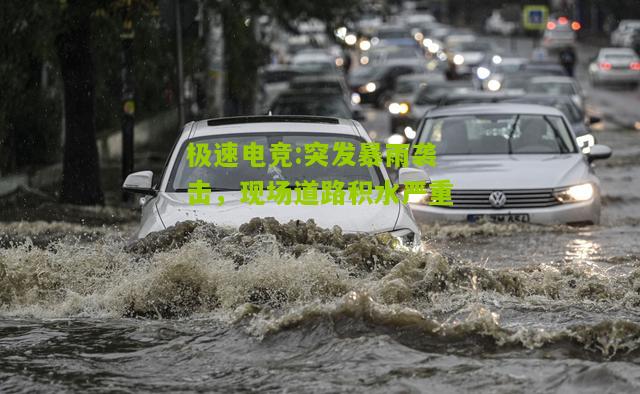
(365, 45)
(355, 98)
(339, 62)
(483, 72)
(350, 39)
(370, 87)
(418, 36)
(410, 132)
(394, 108)
(433, 47)
(494, 85)
(395, 139)
(458, 60)
(576, 193)
(496, 59)
(364, 60)
(406, 239)
(404, 108)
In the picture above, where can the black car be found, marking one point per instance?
(564, 104)
(327, 102)
(376, 83)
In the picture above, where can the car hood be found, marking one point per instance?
(518, 171)
(374, 218)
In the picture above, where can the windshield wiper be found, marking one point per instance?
(513, 129)
(556, 133)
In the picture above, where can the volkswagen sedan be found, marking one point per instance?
(510, 163)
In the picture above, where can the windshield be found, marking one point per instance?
(407, 86)
(432, 94)
(391, 34)
(370, 72)
(498, 134)
(222, 178)
(312, 105)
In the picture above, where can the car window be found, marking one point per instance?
(312, 105)
(498, 134)
(223, 178)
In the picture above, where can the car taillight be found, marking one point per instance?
(635, 66)
(551, 25)
(605, 66)
(575, 26)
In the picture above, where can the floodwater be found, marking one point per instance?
(293, 308)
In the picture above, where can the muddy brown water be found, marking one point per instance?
(294, 308)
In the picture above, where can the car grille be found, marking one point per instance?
(524, 198)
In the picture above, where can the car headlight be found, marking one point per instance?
(406, 239)
(483, 72)
(394, 108)
(576, 193)
(494, 85)
(370, 87)
(458, 60)
(355, 98)
(410, 133)
(496, 59)
(404, 108)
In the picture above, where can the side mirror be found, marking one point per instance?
(412, 175)
(594, 119)
(599, 152)
(139, 182)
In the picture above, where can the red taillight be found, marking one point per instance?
(551, 25)
(563, 20)
(635, 66)
(575, 25)
(605, 66)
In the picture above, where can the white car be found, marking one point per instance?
(496, 24)
(509, 163)
(169, 203)
(615, 65)
(559, 33)
(621, 35)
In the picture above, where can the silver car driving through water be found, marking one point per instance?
(169, 202)
(510, 163)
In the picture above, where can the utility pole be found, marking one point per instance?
(181, 117)
(128, 94)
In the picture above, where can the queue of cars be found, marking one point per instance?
(511, 133)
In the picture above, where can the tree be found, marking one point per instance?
(80, 165)
(243, 54)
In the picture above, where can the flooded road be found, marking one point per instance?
(292, 308)
(289, 308)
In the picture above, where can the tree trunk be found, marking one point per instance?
(241, 62)
(81, 167)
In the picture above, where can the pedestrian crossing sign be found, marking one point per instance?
(534, 17)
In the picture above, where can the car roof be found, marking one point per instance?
(611, 51)
(493, 108)
(552, 79)
(273, 124)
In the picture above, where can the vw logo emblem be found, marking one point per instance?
(497, 199)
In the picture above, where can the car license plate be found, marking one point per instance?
(500, 218)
